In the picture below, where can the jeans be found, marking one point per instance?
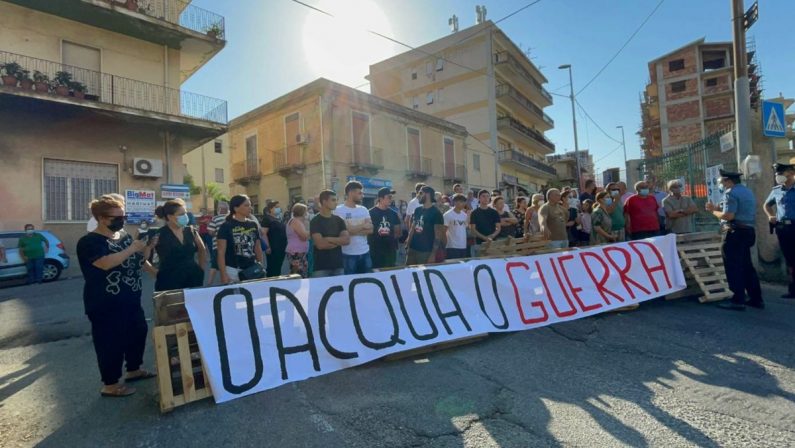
(560, 244)
(327, 273)
(357, 264)
(35, 270)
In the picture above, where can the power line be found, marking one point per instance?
(632, 36)
(518, 11)
(595, 123)
(607, 154)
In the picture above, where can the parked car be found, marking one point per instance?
(55, 260)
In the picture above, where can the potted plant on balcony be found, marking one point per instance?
(132, 5)
(25, 83)
(214, 30)
(78, 89)
(41, 81)
(61, 83)
(10, 73)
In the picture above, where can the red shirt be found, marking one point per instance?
(642, 211)
(203, 221)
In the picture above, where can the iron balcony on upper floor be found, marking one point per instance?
(513, 67)
(525, 161)
(517, 129)
(520, 104)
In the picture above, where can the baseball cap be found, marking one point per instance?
(429, 190)
(385, 191)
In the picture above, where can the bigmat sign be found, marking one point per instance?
(260, 335)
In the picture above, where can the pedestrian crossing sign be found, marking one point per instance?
(773, 119)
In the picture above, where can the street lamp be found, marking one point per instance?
(624, 144)
(574, 123)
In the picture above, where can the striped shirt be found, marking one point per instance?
(213, 227)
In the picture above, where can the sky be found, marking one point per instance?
(275, 46)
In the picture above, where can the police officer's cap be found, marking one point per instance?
(730, 174)
(784, 165)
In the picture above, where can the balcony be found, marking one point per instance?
(519, 131)
(246, 171)
(419, 168)
(513, 66)
(366, 158)
(519, 102)
(199, 34)
(102, 91)
(454, 172)
(291, 160)
(525, 161)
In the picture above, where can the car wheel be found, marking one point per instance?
(52, 270)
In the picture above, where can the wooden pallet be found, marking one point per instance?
(181, 374)
(514, 246)
(701, 257)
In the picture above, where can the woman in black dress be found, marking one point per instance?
(177, 245)
(276, 237)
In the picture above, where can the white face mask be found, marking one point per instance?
(781, 179)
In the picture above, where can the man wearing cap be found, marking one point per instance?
(426, 234)
(737, 214)
(386, 223)
(780, 210)
(356, 255)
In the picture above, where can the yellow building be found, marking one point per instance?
(566, 167)
(324, 134)
(120, 124)
(209, 164)
(480, 79)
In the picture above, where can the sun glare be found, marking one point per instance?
(340, 48)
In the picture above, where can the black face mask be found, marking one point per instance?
(116, 224)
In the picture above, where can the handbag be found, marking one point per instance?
(254, 272)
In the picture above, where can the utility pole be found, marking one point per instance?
(624, 144)
(574, 123)
(742, 91)
(204, 181)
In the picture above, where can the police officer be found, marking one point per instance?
(737, 214)
(780, 210)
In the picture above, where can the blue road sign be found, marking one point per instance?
(773, 119)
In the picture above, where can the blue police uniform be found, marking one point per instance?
(739, 236)
(784, 200)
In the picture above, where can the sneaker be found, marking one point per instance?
(731, 306)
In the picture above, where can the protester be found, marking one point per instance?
(519, 212)
(275, 236)
(384, 239)
(32, 249)
(572, 217)
(531, 224)
(498, 193)
(414, 203)
(552, 217)
(780, 210)
(737, 214)
(458, 189)
(624, 193)
(616, 210)
(584, 231)
(484, 222)
(356, 254)
(298, 241)
(111, 263)
(91, 225)
(426, 234)
(601, 221)
(659, 195)
(679, 209)
(472, 201)
(329, 235)
(441, 202)
(212, 229)
(508, 221)
(177, 245)
(238, 242)
(589, 192)
(456, 222)
(640, 213)
(203, 222)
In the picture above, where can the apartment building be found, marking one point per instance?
(566, 167)
(479, 79)
(690, 95)
(211, 171)
(324, 134)
(106, 113)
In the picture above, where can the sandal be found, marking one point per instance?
(119, 391)
(144, 375)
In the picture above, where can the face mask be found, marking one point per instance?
(613, 192)
(29, 232)
(116, 224)
(572, 203)
(676, 190)
(144, 226)
(608, 201)
(278, 211)
(182, 220)
(644, 191)
(720, 188)
(781, 179)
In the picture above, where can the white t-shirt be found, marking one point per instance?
(456, 223)
(414, 204)
(354, 217)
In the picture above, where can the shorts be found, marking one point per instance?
(233, 273)
(415, 257)
(454, 254)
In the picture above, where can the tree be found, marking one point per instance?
(194, 189)
(214, 191)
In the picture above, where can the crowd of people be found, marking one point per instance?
(322, 238)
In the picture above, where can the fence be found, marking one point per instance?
(689, 164)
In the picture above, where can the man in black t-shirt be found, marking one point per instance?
(427, 233)
(384, 239)
(329, 234)
(484, 221)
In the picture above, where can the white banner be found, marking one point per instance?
(260, 335)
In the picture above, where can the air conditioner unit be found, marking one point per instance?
(302, 139)
(148, 167)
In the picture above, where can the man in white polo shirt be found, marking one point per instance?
(356, 255)
(414, 204)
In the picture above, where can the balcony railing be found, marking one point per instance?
(367, 157)
(522, 129)
(419, 167)
(506, 90)
(119, 91)
(246, 170)
(182, 13)
(454, 172)
(504, 57)
(289, 159)
(512, 155)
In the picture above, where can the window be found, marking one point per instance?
(70, 186)
(219, 147)
(678, 86)
(414, 74)
(439, 64)
(712, 82)
(678, 64)
(360, 123)
(429, 69)
(414, 153)
(429, 98)
(476, 162)
(251, 148)
(219, 175)
(76, 55)
(292, 129)
(415, 102)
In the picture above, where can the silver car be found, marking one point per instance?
(55, 260)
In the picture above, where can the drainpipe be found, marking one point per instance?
(322, 144)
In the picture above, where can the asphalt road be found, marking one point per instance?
(673, 373)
